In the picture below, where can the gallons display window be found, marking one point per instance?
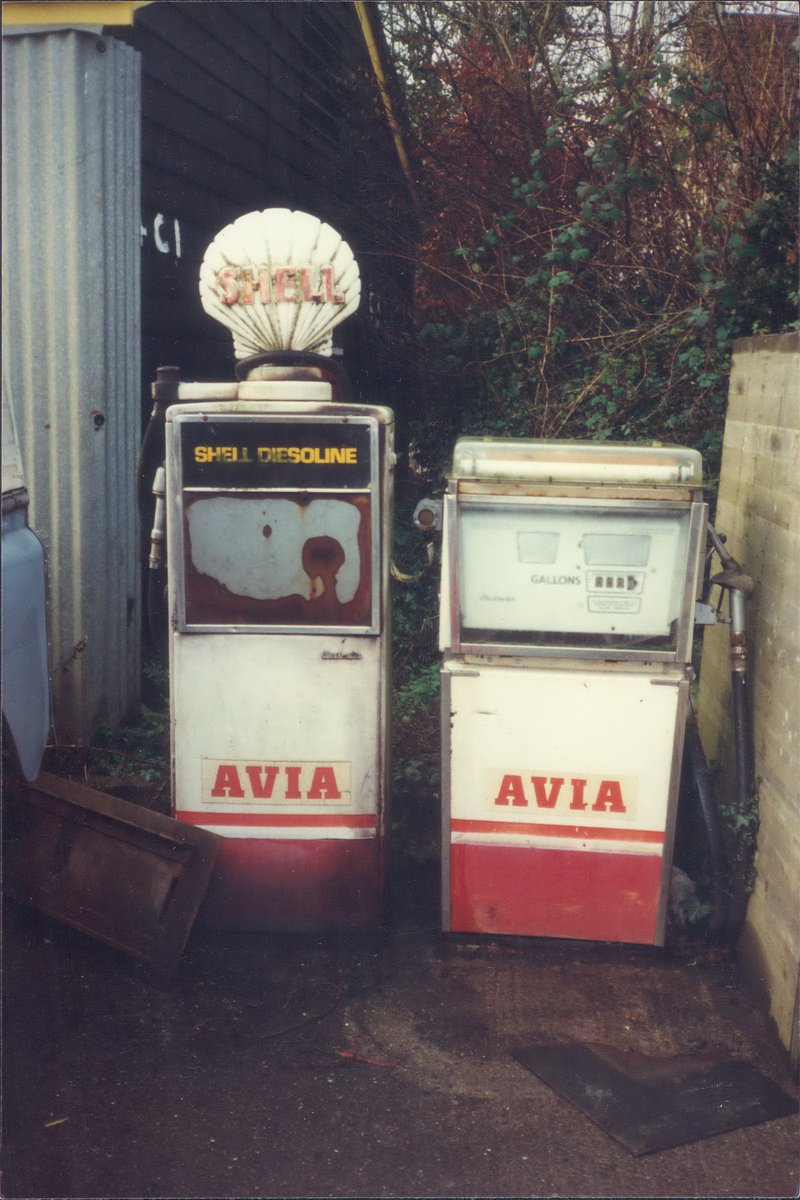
(559, 574)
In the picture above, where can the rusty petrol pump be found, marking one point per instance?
(278, 496)
(569, 582)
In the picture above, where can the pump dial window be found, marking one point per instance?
(537, 547)
(265, 559)
(616, 549)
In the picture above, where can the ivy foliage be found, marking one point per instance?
(527, 368)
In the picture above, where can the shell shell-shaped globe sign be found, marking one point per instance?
(279, 280)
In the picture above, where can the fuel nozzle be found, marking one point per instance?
(158, 533)
(733, 574)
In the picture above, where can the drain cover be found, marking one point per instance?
(652, 1103)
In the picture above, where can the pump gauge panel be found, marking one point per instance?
(278, 521)
(563, 574)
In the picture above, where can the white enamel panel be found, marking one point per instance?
(292, 723)
(572, 753)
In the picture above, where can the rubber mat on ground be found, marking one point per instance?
(652, 1103)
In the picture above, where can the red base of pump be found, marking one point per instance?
(555, 893)
(294, 886)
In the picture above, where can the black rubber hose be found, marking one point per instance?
(745, 787)
(705, 790)
(741, 734)
(157, 612)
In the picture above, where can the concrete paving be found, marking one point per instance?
(358, 1065)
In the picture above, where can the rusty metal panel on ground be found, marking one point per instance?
(114, 870)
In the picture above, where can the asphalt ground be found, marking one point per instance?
(374, 1064)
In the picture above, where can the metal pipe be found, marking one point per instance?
(367, 32)
(739, 586)
(158, 534)
(151, 455)
(745, 783)
(739, 688)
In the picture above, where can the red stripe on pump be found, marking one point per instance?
(656, 836)
(281, 820)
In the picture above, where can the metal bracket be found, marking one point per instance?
(706, 614)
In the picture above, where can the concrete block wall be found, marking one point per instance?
(759, 510)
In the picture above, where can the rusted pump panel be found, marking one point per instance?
(114, 870)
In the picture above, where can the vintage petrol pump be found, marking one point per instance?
(570, 574)
(278, 502)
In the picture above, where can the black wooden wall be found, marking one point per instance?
(252, 105)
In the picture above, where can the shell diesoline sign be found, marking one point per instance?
(278, 509)
(569, 579)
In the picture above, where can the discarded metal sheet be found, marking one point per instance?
(653, 1103)
(119, 872)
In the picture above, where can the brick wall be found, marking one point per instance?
(759, 510)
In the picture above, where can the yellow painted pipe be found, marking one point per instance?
(362, 11)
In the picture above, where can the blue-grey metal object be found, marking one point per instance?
(26, 685)
(25, 674)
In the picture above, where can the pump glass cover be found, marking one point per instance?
(279, 523)
(562, 574)
(274, 559)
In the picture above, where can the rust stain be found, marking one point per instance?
(209, 602)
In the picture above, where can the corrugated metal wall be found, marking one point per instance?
(71, 342)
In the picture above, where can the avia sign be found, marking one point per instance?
(562, 794)
(279, 783)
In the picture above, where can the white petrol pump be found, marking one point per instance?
(570, 575)
(278, 505)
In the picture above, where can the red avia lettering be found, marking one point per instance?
(277, 783)
(556, 791)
